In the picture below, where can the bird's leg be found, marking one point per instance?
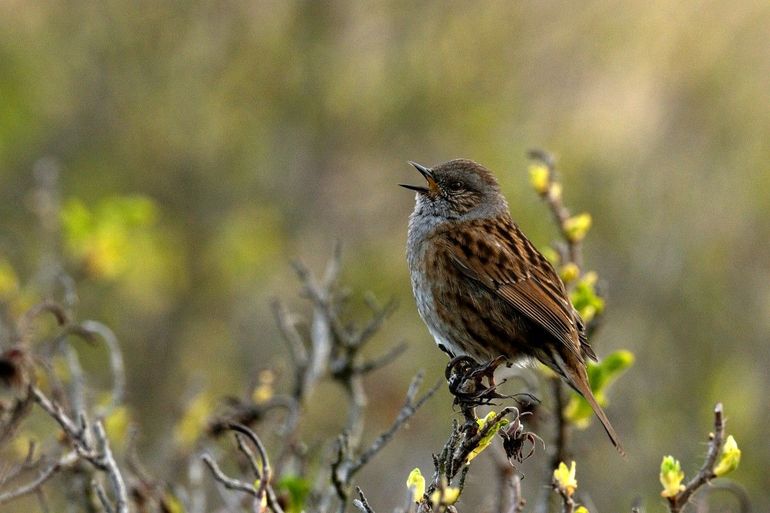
(488, 370)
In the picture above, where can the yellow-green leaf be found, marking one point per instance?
(298, 489)
(447, 498)
(9, 282)
(539, 177)
(585, 299)
(569, 272)
(564, 478)
(671, 477)
(731, 457)
(116, 425)
(576, 227)
(416, 483)
(190, 427)
(487, 438)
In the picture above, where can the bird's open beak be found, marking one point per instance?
(428, 175)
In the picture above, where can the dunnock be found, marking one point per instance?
(482, 288)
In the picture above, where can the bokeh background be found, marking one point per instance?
(201, 146)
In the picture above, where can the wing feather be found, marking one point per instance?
(532, 288)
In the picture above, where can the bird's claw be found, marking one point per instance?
(466, 381)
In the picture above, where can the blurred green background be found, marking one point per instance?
(200, 146)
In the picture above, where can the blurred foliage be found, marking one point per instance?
(192, 424)
(584, 297)
(257, 132)
(298, 490)
(105, 240)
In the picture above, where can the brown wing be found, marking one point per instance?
(499, 256)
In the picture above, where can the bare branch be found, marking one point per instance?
(321, 326)
(228, 482)
(510, 498)
(381, 361)
(110, 467)
(561, 213)
(240, 439)
(33, 486)
(247, 413)
(102, 495)
(407, 411)
(56, 412)
(98, 453)
(263, 471)
(24, 325)
(567, 502)
(361, 503)
(706, 472)
(374, 324)
(77, 379)
(559, 446)
(297, 348)
(116, 361)
(17, 412)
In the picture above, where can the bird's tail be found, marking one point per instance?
(578, 379)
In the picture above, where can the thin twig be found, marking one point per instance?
(263, 470)
(297, 348)
(33, 486)
(228, 482)
(265, 489)
(559, 453)
(374, 324)
(561, 213)
(320, 327)
(354, 385)
(18, 412)
(98, 453)
(381, 361)
(510, 498)
(110, 467)
(77, 379)
(407, 411)
(240, 439)
(102, 495)
(25, 323)
(361, 503)
(116, 361)
(706, 472)
(567, 503)
(56, 412)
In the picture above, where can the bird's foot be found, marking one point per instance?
(466, 378)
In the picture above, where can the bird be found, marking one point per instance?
(482, 288)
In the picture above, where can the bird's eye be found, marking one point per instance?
(456, 186)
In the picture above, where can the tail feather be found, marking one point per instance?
(574, 373)
(579, 381)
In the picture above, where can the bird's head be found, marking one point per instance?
(459, 189)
